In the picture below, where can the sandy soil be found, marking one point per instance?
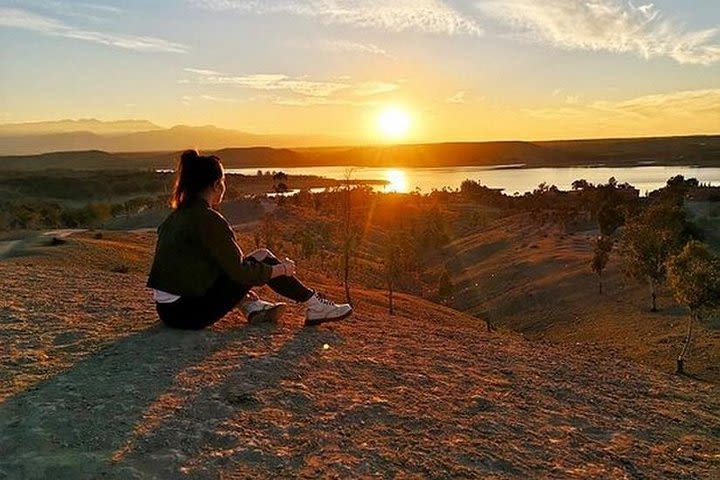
(92, 387)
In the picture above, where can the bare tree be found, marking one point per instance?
(348, 234)
(397, 252)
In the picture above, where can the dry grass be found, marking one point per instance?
(537, 280)
(92, 388)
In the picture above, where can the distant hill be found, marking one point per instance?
(134, 136)
(672, 151)
(439, 155)
(442, 155)
(693, 150)
(87, 160)
(92, 125)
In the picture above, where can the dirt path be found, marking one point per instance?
(20, 247)
(8, 248)
(90, 388)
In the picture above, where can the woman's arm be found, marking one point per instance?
(219, 239)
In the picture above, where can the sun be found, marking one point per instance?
(394, 123)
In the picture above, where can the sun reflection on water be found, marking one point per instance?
(398, 181)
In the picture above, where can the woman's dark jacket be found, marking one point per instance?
(195, 244)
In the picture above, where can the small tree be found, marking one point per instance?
(677, 188)
(280, 182)
(445, 286)
(694, 276)
(396, 256)
(349, 234)
(609, 218)
(601, 254)
(581, 184)
(648, 242)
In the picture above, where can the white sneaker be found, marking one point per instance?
(260, 311)
(321, 310)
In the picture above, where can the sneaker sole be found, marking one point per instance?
(271, 315)
(320, 321)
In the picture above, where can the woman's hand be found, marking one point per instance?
(289, 267)
(284, 268)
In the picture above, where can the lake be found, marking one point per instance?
(509, 178)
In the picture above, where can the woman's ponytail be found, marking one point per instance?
(193, 175)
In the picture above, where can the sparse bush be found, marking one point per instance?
(120, 268)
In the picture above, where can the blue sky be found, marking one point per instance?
(465, 70)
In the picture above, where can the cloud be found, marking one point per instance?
(459, 97)
(23, 19)
(344, 46)
(315, 101)
(92, 12)
(691, 104)
(607, 25)
(682, 103)
(188, 100)
(427, 16)
(557, 113)
(300, 86)
(101, 7)
(366, 89)
(573, 99)
(202, 71)
(213, 98)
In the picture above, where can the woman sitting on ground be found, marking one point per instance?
(199, 272)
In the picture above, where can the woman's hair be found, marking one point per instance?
(193, 175)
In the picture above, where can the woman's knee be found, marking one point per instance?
(261, 254)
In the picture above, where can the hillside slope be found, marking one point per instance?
(90, 387)
(537, 280)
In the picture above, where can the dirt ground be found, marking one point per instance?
(92, 387)
(536, 280)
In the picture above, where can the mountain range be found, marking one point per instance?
(135, 136)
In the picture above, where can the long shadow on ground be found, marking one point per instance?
(89, 420)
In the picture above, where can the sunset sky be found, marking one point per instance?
(459, 69)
